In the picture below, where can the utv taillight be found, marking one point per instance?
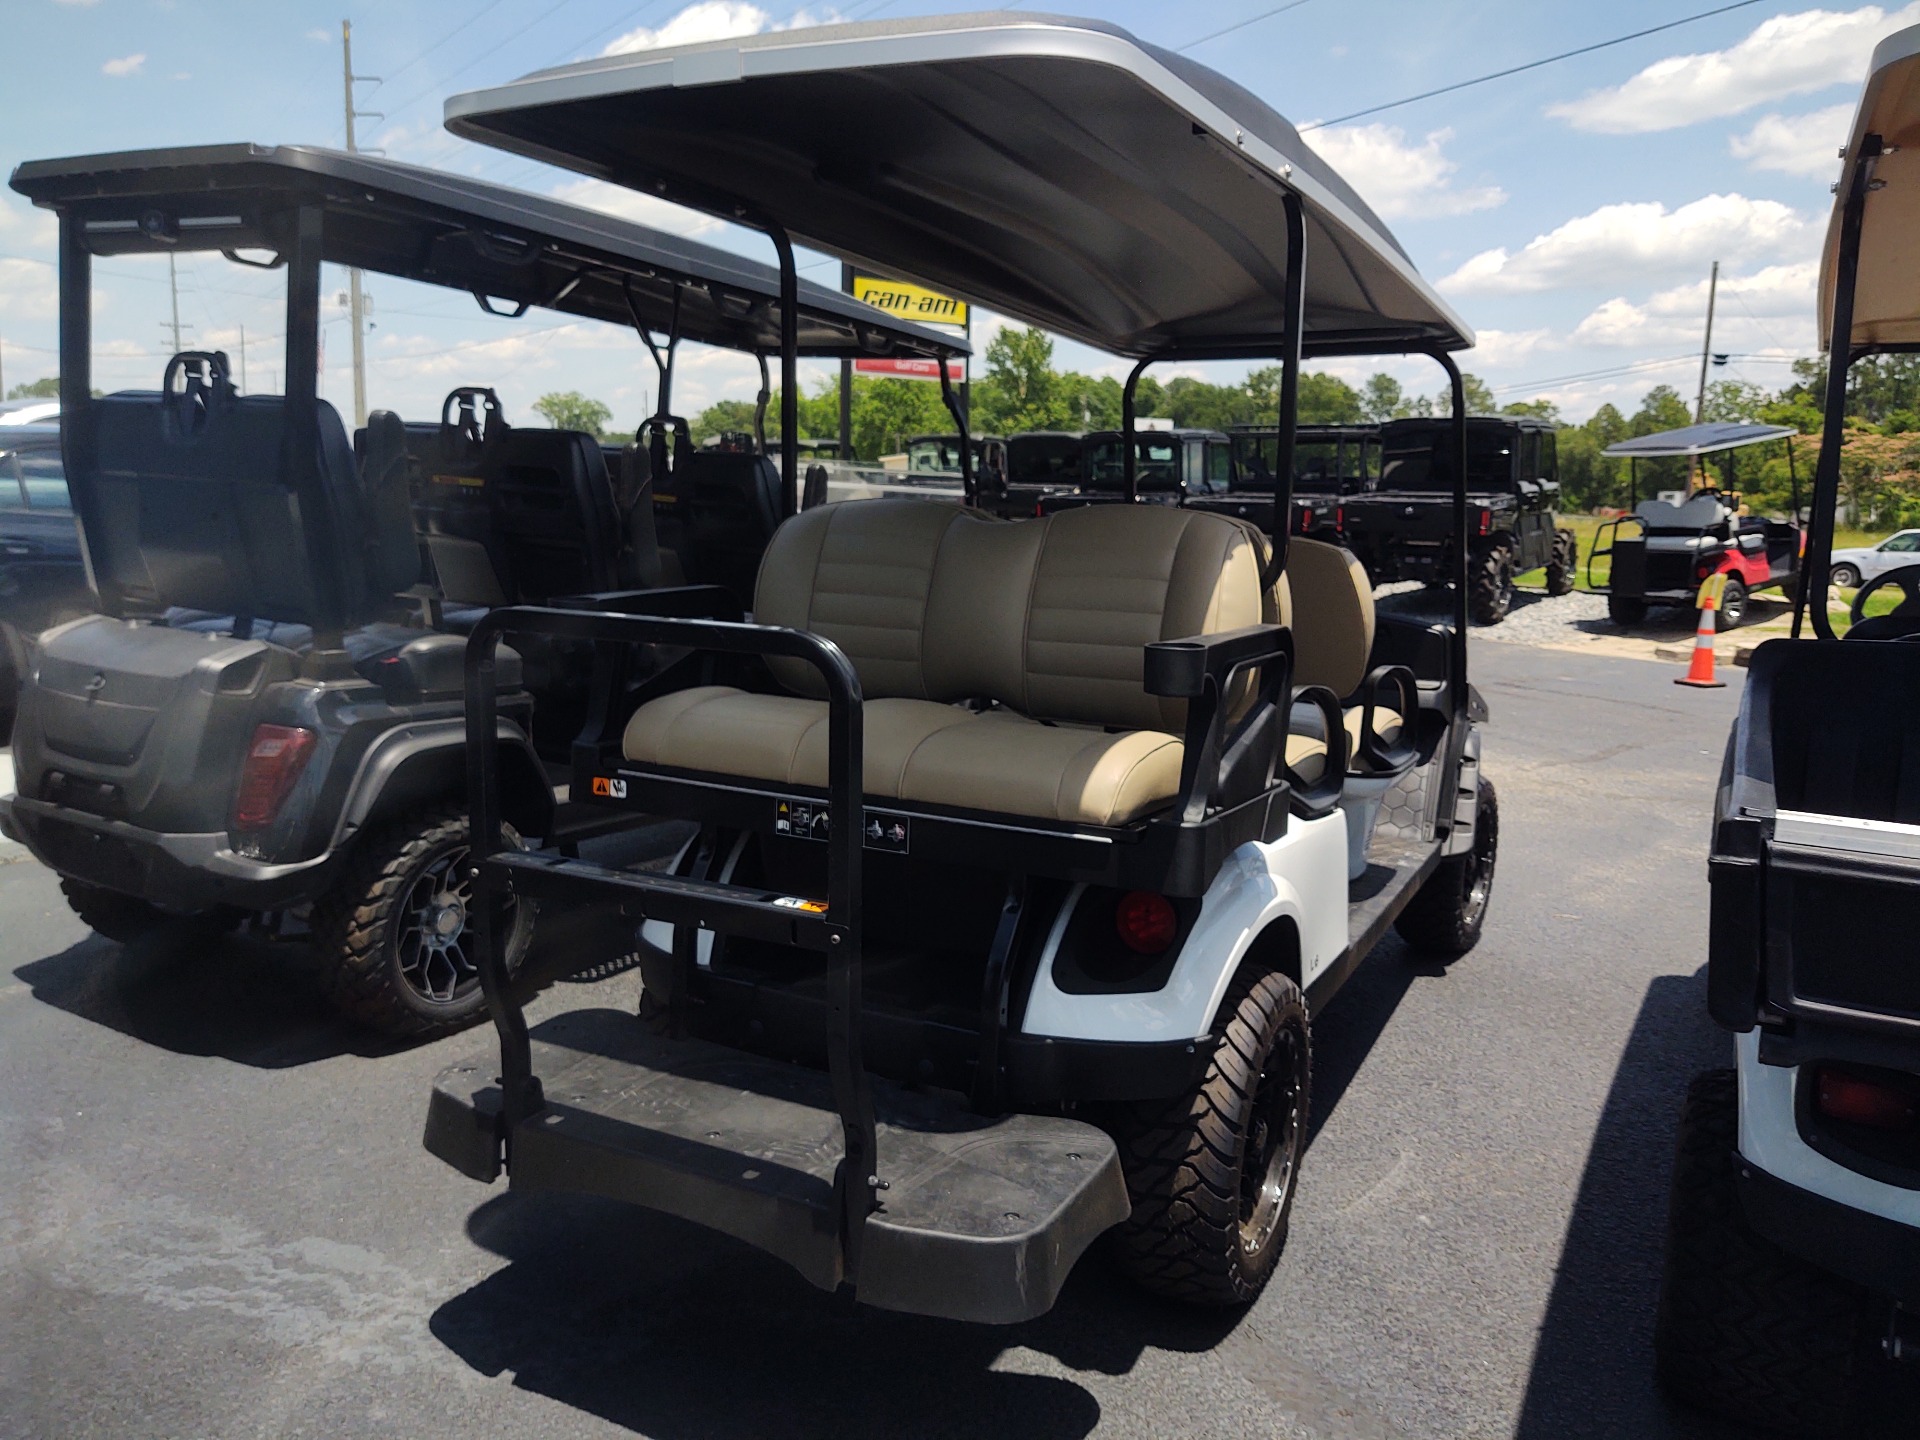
(274, 761)
(1340, 517)
(1703, 568)
(1860, 1101)
(1146, 922)
(1306, 519)
(1486, 522)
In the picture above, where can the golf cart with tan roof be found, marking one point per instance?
(263, 723)
(1027, 848)
(1793, 1239)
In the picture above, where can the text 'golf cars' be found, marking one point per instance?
(1026, 848)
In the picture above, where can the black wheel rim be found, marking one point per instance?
(1733, 607)
(432, 938)
(1274, 1128)
(1477, 881)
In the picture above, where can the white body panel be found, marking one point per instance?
(1302, 877)
(1770, 1141)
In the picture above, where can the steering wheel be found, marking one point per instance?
(1903, 622)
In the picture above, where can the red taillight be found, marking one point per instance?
(1863, 1102)
(1145, 922)
(1486, 522)
(1702, 569)
(1340, 517)
(274, 761)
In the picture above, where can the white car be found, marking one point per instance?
(1851, 567)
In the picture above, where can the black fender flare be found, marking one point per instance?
(415, 763)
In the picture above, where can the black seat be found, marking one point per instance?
(729, 505)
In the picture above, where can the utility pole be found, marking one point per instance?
(356, 308)
(243, 359)
(846, 382)
(1706, 348)
(173, 291)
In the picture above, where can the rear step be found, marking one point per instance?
(979, 1219)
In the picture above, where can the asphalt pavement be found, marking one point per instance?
(216, 1218)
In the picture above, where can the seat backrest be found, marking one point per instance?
(1332, 619)
(392, 550)
(196, 516)
(1050, 617)
(729, 505)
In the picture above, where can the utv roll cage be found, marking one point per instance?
(988, 104)
(297, 207)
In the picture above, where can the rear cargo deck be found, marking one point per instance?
(980, 1219)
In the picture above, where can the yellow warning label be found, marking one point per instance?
(793, 902)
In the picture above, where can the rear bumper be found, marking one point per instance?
(184, 871)
(1870, 1250)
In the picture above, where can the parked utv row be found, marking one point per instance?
(1022, 852)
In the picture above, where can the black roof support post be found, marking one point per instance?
(300, 444)
(1840, 358)
(1129, 445)
(789, 373)
(1461, 566)
(1800, 589)
(1280, 527)
(76, 394)
(968, 487)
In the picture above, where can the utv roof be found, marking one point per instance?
(501, 244)
(1886, 298)
(1057, 170)
(1698, 440)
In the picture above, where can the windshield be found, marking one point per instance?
(935, 455)
(1044, 460)
(32, 479)
(1158, 466)
(1322, 465)
(1418, 459)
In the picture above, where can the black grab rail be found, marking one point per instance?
(839, 934)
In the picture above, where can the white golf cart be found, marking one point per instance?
(1027, 848)
(1793, 1248)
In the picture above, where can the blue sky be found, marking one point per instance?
(1570, 213)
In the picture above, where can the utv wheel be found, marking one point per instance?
(1733, 606)
(1492, 589)
(125, 918)
(1744, 1329)
(1445, 916)
(397, 942)
(1211, 1173)
(1625, 610)
(1564, 565)
(1844, 577)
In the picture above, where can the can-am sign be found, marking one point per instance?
(911, 369)
(910, 302)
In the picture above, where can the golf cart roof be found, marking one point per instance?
(1698, 440)
(507, 247)
(1886, 298)
(1057, 170)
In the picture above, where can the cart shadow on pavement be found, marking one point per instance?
(673, 1331)
(1346, 1032)
(1593, 1366)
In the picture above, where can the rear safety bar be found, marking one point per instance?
(831, 926)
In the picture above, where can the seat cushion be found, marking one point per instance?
(1307, 757)
(1387, 725)
(916, 750)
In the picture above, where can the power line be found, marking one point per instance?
(441, 84)
(1530, 65)
(1241, 25)
(1587, 376)
(465, 27)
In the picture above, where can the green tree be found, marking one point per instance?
(728, 415)
(47, 387)
(1479, 394)
(570, 410)
(1020, 390)
(1538, 409)
(1381, 398)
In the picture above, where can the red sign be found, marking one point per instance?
(911, 369)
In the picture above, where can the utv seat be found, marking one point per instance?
(940, 610)
(1333, 626)
(728, 504)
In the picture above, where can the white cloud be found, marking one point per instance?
(713, 20)
(27, 290)
(1796, 144)
(1621, 243)
(1399, 177)
(1785, 55)
(320, 35)
(1495, 348)
(79, 4)
(125, 65)
(1753, 312)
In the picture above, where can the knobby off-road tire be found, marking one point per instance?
(1563, 567)
(1447, 913)
(381, 966)
(1627, 611)
(1744, 1329)
(1490, 595)
(1211, 1173)
(1733, 605)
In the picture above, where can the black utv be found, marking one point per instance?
(1330, 464)
(263, 721)
(1403, 530)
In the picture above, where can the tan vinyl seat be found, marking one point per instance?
(1333, 623)
(1045, 621)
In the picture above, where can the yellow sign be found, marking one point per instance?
(909, 301)
(1711, 590)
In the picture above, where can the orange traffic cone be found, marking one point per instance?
(1700, 671)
